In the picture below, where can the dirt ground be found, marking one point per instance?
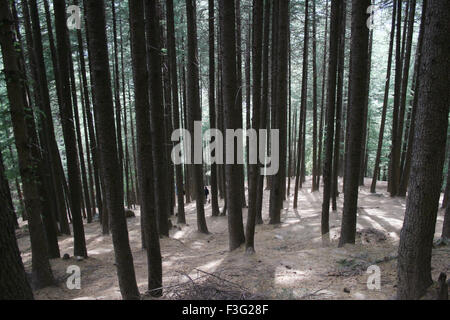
(292, 261)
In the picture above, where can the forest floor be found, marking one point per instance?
(292, 260)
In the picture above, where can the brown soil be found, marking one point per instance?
(292, 260)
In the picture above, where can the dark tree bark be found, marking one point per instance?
(322, 111)
(195, 113)
(358, 95)
(176, 106)
(144, 146)
(232, 121)
(212, 104)
(376, 171)
(41, 128)
(26, 149)
(264, 102)
(254, 172)
(395, 149)
(303, 103)
(314, 186)
(117, 92)
(416, 238)
(160, 167)
(90, 124)
(108, 149)
(331, 96)
(13, 280)
(6, 194)
(84, 181)
(67, 121)
(404, 88)
(339, 103)
(49, 141)
(239, 96)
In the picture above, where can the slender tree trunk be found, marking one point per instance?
(175, 101)
(376, 171)
(303, 103)
(68, 129)
(212, 105)
(331, 95)
(416, 238)
(264, 104)
(239, 95)
(395, 150)
(358, 95)
(254, 169)
(314, 186)
(339, 103)
(322, 111)
(195, 114)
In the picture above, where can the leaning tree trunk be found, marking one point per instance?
(13, 279)
(26, 149)
(359, 79)
(108, 149)
(416, 238)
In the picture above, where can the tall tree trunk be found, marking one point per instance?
(395, 149)
(264, 104)
(314, 186)
(239, 95)
(254, 172)
(144, 146)
(195, 112)
(322, 107)
(358, 95)
(416, 238)
(68, 129)
(303, 103)
(339, 103)
(44, 126)
(26, 149)
(376, 171)
(212, 104)
(331, 96)
(279, 179)
(232, 121)
(90, 123)
(404, 89)
(157, 117)
(108, 148)
(176, 106)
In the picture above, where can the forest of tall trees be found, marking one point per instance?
(257, 149)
